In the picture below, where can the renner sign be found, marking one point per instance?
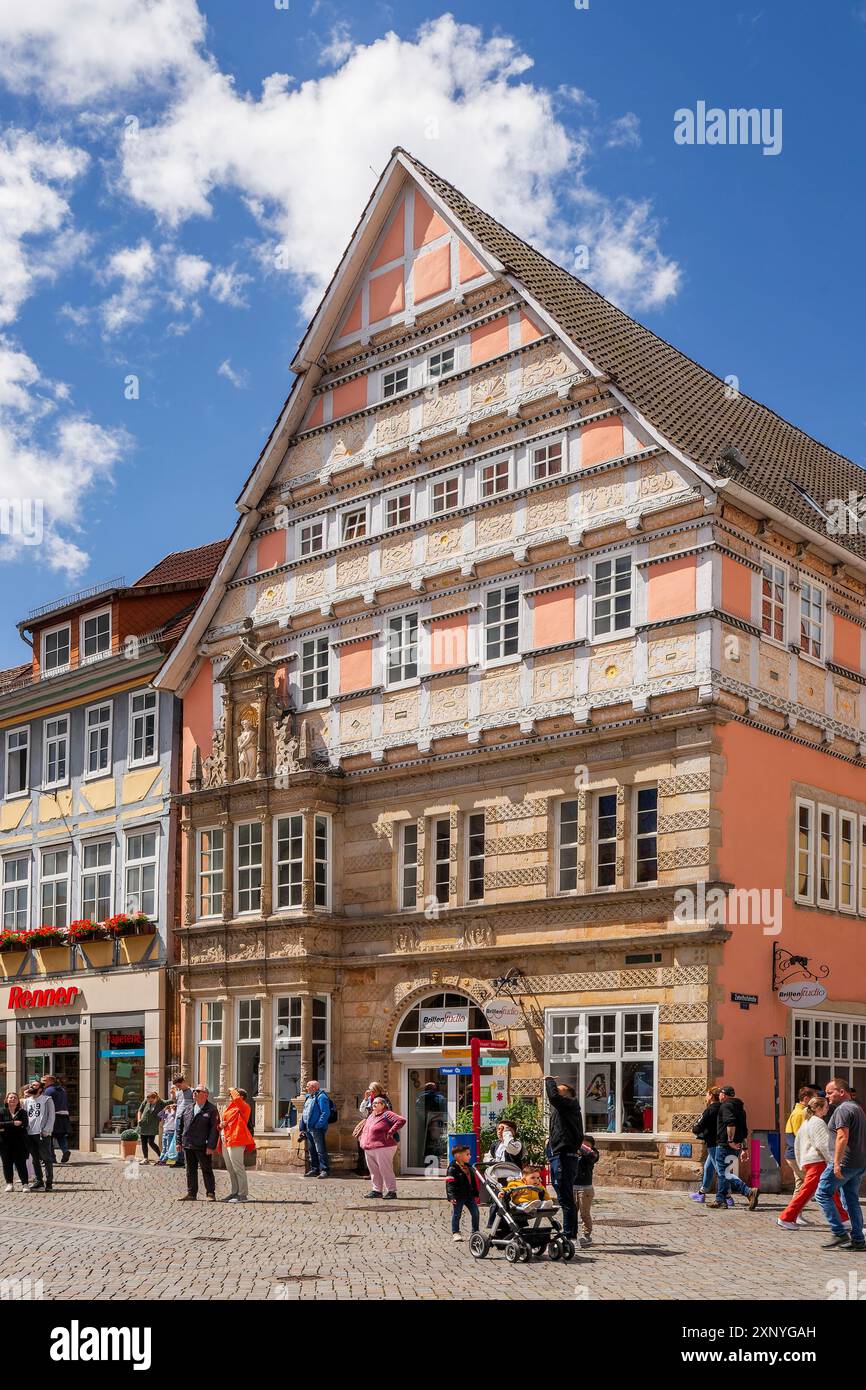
(41, 998)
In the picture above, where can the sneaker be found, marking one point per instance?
(8, 1187)
(719, 1206)
(49, 1187)
(311, 1173)
(372, 1194)
(859, 1245)
(787, 1225)
(36, 1187)
(233, 1197)
(65, 1158)
(143, 1162)
(324, 1173)
(242, 1199)
(698, 1196)
(584, 1241)
(456, 1237)
(389, 1196)
(754, 1194)
(837, 1243)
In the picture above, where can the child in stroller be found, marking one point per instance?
(524, 1220)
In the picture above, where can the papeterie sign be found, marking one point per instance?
(802, 993)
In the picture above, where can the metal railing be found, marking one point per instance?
(81, 597)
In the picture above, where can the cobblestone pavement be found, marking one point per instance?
(104, 1235)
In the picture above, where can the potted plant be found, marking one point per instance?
(51, 947)
(128, 1140)
(97, 944)
(13, 952)
(135, 932)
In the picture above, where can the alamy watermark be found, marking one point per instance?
(752, 907)
(23, 519)
(739, 125)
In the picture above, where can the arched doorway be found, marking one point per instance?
(433, 1085)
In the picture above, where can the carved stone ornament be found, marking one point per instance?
(214, 767)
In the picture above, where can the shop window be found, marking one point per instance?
(442, 1020)
(825, 1047)
(610, 1057)
(287, 1060)
(120, 1077)
(210, 1043)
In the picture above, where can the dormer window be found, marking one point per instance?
(56, 649)
(96, 635)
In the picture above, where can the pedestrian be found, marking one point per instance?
(375, 1088)
(462, 1188)
(507, 1147)
(184, 1102)
(168, 1118)
(235, 1141)
(707, 1130)
(812, 1156)
(797, 1117)
(148, 1125)
(847, 1126)
(731, 1132)
(40, 1127)
(587, 1158)
(13, 1140)
(379, 1141)
(199, 1138)
(315, 1118)
(564, 1140)
(55, 1088)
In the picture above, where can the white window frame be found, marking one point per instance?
(815, 1056)
(304, 536)
(540, 459)
(46, 670)
(435, 371)
(469, 858)
(203, 876)
(87, 773)
(210, 1042)
(134, 716)
(636, 838)
(55, 739)
(774, 581)
(560, 845)
(83, 658)
(582, 1057)
(436, 862)
(445, 482)
(502, 623)
(55, 879)
(595, 805)
(100, 869)
(404, 887)
(391, 378)
(812, 597)
(295, 888)
(253, 911)
(291, 1039)
(847, 818)
(359, 509)
(395, 500)
(140, 864)
(10, 734)
(613, 633)
(826, 900)
(322, 884)
(402, 659)
(807, 898)
(315, 670)
(861, 874)
(494, 478)
(15, 886)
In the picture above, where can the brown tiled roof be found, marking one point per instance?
(185, 566)
(13, 674)
(683, 400)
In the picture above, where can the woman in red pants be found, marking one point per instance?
(812, 1152)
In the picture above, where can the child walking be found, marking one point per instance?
(169, 1145)
(587, 1158)
(462, 1189)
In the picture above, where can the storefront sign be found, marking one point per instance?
(805, 992)
(503, 1013)
(41, 998)
(444, 1020)
(54, 1040)
(455, 1071)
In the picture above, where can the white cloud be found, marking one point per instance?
(625, 259)
(238, 379)
(50, 467)
(227, 286)
(624, 132)
(191, 273)
(457, 99)
(76, 51)
(34, 213)
(339, 45)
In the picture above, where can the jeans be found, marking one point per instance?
(317, 1151)
(709, 1171)
(564, 1167)
(724, 1155)
(169, 1146)
(457, 1212)
(850, 1189)
(41, 1151)
(62, 1142)
(195, 1159)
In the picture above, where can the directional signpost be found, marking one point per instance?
(487, 1050)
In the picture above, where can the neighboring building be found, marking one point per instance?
(88, 762)
(532, 631)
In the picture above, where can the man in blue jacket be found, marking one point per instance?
(315, 1119)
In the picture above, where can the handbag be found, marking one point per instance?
(356, 1132)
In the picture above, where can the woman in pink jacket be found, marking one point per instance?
(379, 1141)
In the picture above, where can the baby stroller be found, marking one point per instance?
(522, 1234)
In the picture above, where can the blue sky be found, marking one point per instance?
(164, 215)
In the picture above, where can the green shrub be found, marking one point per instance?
(527, 1119)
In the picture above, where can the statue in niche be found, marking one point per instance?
(247, 746)
(214, 773)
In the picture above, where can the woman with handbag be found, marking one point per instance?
(378, 1139)
(375, 1088)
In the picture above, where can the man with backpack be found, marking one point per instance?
(732, 1129)
(319, 1112)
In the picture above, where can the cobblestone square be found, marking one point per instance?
(103, 1235)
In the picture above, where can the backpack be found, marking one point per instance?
(333, 1112)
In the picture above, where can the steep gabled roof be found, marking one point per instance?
(685, 402)
(194, 566)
